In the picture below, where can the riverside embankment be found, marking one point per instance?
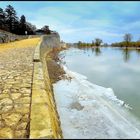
(44, 117)
(26, 98)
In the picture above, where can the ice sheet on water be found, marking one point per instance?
(107, 92)
(86, 110)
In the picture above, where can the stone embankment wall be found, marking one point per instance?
(44, 117)
(9, 37)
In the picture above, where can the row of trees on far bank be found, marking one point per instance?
(127, 42)
(97, 42)
(9, 21)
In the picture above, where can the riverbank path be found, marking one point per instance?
(16, 70)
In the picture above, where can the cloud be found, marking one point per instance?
(83, 20)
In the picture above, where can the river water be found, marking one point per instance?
(109, 67)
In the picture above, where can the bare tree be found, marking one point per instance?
(127, 39)
(98, 42)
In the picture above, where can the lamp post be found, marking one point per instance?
(26, 32)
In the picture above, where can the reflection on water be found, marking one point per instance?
(97, 51)
(126, 54)
(138, 52)
(110, 67)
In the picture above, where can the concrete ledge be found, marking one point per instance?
(40, 125)
(37, 53)
(44, 120)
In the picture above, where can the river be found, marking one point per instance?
(109, 67)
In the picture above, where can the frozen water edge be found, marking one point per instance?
(87, 110)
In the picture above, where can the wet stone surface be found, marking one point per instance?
(16, 69)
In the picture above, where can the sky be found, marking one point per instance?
(83, 20)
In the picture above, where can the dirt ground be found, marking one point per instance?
(56, 72)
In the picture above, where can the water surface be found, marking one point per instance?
(112, 68)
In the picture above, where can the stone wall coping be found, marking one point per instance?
(44, 121)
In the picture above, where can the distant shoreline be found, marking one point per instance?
(129, 48)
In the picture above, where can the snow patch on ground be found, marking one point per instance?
(87, 110)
